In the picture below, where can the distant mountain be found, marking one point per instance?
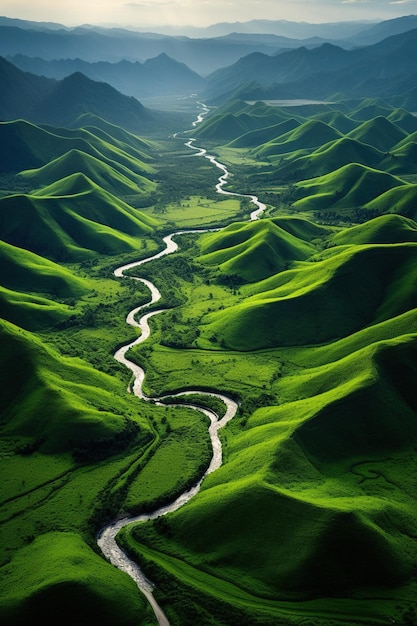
(295, 30)
(31, 25)
(203, 55)
(378, 32)
(78, 94)
(158, 76)
(61, 103)
(19, 90)
(384, 69)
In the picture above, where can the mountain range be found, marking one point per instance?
(385, 69)
(46, 100)
(218, 46)
(158, 76)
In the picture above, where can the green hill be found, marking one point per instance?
(379, 133)
(58, 567)
(320, 302)
(104, 129)
(53, 403)
(27, 146)
(70, 220)
(32, 311)
(401, 160)
(35, 292)
(252, 251)
(222, 127)
(377, 415)
(302, 228)
(24, 271)
(383, 229)
(352, 185)
(404, 120)
(100, 173)
(320, 464)
(262, 135)
(329, 157)
(368, 109)
(338, 120)
(311, 134)
(400, 200)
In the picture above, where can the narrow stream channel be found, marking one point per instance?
(106, 539)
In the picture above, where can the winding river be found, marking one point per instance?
(107, 537)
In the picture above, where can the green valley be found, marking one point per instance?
(305, 316)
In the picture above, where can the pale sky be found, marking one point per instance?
(146, 13)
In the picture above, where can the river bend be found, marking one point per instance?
(106, 539)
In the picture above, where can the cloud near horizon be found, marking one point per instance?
(201, 12)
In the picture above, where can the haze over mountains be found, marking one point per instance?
(244, 64)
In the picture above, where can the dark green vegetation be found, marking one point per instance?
(306, 316)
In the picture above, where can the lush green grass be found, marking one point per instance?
(400, 200)
(317, 302)
(196, 212)
(311, 134)
(180, 460)
(378, 132)
(320, 448)
(316, 492)
(43, 579)
(23, 270)
(71, 220)
(55, 404)
(352, 185)
(252, 251)
(122, 182)
(384, 229)
(327, 158)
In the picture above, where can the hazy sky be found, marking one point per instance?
(146, 13)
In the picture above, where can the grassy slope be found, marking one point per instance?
(349, 186)
(69, 569)
(330, 157)
(332, 460)
(318, 302)
(52, 402)
(348, 508)
(252, 251)
(29, 146)
(100, 173)
(71, 219)
(311, 134)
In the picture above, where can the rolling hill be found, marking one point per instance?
(65, 401)
(103, 175)
(378, 132)
(327, 158)
(352, 185)
(71, 220)
(319, 302)
(28, 146)
(311, 134)
(252, 251)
